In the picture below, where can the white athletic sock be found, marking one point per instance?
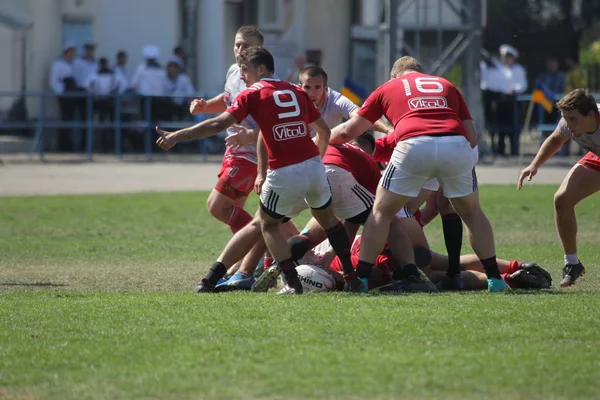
(571, 259)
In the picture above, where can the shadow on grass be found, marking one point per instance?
(546, 292)
(33, 284)
(513, 292)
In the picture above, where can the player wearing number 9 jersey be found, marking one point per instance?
(295, 174)
(434, 134)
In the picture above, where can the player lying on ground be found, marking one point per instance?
(352, 176)
(333, 107)
(382, 150)
(435, 135)
(518, 275)
(580, 122)
(295, 174)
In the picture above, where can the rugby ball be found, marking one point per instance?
(315, 279)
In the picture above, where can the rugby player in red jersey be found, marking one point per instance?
(295, 174)
(434, 135)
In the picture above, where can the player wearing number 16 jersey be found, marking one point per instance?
(295, 174)
(434, 135)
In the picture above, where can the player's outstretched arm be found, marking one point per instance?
(207, 128)
(323, 135)
(211, 106)
(350, 129)
(550, 146)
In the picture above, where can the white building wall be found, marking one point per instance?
(327, 27)
(6, 65)
(43, 46)
(11, 42)
(211, 47)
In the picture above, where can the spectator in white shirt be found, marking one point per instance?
(121, 68)
(103, 85)
(178, 83)
(502, 81)
(62, 82)
(148, 81)
(83, 68)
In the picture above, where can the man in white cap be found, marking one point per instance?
(62, 81)
(84, 69)
(148, 80)
(85, 66)
(512, 81)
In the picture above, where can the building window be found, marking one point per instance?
(77, 31)
(270, 15)
(364, 62)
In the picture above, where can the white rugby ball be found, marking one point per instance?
(315, 279)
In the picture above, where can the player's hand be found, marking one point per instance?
(528, 173)
(167, 140)
(258, 183)
(197, 106)
(241, 138)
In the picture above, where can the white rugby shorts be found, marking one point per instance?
(290, 189)
(350, 198)
(419, 159)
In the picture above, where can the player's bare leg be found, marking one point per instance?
(421, 250)
(268, 278)
(277, 244)
(480, 236)
(579, 183)
(239, 245)
(243, 277)
(339, 241)
(517, 274)
(376, 230)
(228, 210)
(311, 235)
(407, 276)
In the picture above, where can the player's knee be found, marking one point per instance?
(325, 217)
(298, 245)
(218, 209)
(562, 201)
(422, 256)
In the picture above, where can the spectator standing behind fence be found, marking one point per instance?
(490, 92)
(103, 85)
(83, 68)
(121, 68)
(507, 79)
(576, 76)
(148, 81)
(180, 53)
(178, 83)
(62, 82)
(555, 82)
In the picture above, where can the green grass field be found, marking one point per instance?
(97, 301)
